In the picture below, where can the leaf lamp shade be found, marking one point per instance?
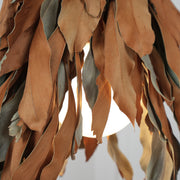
(133, 65)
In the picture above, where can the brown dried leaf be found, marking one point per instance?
(57, 45)
(135, 26)
(90, 145)
(63, 168)
(20, 39)
(38, 91)
(100, 113)
(157, 103)
(93, 7)
(171, 45)
(137, 82)
(119, 67)
(62, 141)
(4, 87)
(121, 161)
(168, 16)
(79, 31)
(40, 152)
(159, 69)
(7, 13)
(15, 153)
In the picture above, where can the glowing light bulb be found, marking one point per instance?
(117, 120)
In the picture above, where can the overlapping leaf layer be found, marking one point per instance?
(134, 50)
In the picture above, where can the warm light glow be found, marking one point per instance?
(117, 120)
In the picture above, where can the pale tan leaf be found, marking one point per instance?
(122, 162)
(146, 140)
(79, 31)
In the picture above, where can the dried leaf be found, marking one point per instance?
(100, 113)
(48, 13)
(119, 67)
(90, 145)
(63, 168)
(20, 38)
(61, 82)
(161, 165)
(89, 76)
(93, 7)
(157, 104)
(159, 120)
(78, 132)
(151, 113)
(62, 141)
(137, 82)
(79, 32)
(57, 45)
(7, 13)
(15, 153)
(38, 91)
(121, 161)
(167, 48)
(176, 103)
(168, 16)
(135, 26)
(147, 61)
(7, 112)
(146, 140)
(4, 87)
(33, 172)
(161, 74)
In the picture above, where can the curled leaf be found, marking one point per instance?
(121, 161)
